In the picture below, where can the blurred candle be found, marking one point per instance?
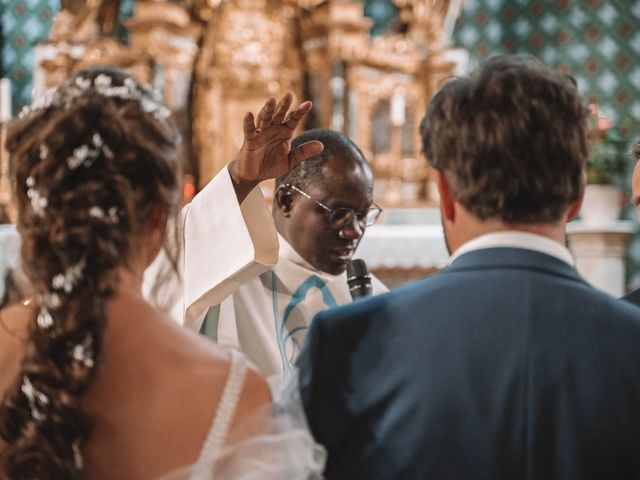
(397, 109)
(5, 99)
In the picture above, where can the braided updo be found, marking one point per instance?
(91, 163)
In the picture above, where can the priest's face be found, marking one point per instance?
(342, 184)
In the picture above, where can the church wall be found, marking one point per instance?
(596, 41)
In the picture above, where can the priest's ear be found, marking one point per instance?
(284, 200)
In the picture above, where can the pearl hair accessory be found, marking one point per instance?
(86, 154)
(83, 353)
(44, 320)
(38, 201)
(69, 279)
(37, 400)
(44, 151)
(63, 96)
(77, 455)
(49, 300)
(98, 213)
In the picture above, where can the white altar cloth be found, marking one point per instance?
(403, 246)
(9, 252)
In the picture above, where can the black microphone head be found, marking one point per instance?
(359, 279)
(356, 268)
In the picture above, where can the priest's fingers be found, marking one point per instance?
(304, 151)
(281, 109)
(249, 126)
(297, 114)
(264, 117)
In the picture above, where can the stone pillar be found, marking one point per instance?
(599, 253)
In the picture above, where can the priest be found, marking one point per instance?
(226, 236)
(321, 210)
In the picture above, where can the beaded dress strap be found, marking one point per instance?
(224, 415)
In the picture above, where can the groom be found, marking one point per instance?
(507, 364)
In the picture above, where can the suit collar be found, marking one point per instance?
(516, 239)
(510, 257)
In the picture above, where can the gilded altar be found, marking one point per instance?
(216, 59)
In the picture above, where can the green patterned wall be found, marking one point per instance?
(23, 23)
(596, 41)
(382, 12)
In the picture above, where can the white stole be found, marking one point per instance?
(268, 317)
(224, 245)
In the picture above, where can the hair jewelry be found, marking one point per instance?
(86, 154)
(37, 400)
(63, 96)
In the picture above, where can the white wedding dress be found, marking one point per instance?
(285, 450)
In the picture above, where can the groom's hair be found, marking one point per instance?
(336, 145)
(511, 140)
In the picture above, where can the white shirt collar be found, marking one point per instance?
(288, 252)
(515, 239)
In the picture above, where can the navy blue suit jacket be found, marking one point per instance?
(633, 297)
(505, 365)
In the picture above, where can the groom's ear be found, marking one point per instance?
(447, 199)
(574, 209)
(284, 201)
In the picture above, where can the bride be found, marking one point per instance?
(95, 382)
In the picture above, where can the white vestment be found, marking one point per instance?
(224, 245)
(268, 317)
(228, 249)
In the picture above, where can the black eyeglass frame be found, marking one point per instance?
(339, 220)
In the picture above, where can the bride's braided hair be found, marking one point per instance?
(90, 164)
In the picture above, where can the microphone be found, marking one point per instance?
(358, 279)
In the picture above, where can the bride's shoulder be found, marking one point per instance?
(14, 328)
(200, 357)
(254, 406)
(14, 319)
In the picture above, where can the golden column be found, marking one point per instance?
(250, 51)
(5, 117)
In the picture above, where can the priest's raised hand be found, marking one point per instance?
(266, 151)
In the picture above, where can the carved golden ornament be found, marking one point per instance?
(217, 59)
(249, 52)
(84, 20)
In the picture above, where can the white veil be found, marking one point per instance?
(286, 450)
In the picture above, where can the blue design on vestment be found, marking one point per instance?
(298, 297)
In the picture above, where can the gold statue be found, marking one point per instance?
(84, 20)
(249, 52)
